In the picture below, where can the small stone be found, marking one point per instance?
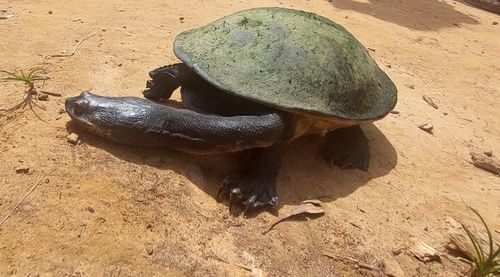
(388, 65)
(488, 153)
(494, 23)
(90, 209)
(426, 127)
(5, 14)
(61, 111)
(392, 268)
(150, 251)
(73, 138)
(410, 86)
(43, 97)
(50, 12)
(394, 112)
(22, 169)
(396, 252)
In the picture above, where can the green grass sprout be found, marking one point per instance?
(486, 262)
(30, 79)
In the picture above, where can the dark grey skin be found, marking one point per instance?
(213, 122)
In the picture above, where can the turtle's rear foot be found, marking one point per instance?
(164, 81)
(347, 148)
(255, 185)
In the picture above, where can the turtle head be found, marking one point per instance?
(80, 108)
(90, 112)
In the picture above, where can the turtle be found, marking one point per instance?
(253, 81)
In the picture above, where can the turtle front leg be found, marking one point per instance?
(164, 81)
(255, 185)
(347, 148)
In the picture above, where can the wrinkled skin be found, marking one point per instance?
(214, 122)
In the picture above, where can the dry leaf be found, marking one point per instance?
(459, 238)
(486, 163)
(306, 207)
(424, 252)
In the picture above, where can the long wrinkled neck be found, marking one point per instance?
(140, 122)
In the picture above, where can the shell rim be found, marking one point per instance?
(186, 59)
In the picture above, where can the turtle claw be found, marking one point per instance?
(347, 148)
(164, 81)
(350, 159)
(251, 192)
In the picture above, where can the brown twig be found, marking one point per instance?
(235, 264)
(74, 49)
(22, 199)
(352, 260)
(430, 101)
(50, 93)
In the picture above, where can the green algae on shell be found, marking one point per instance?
(291, 60)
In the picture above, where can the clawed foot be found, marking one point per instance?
(345, 158)
(347, 148)
(164, 81)
(251, 191)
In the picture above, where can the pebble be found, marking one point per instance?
(396, 252)
(50, 12)
(73, 138)
(426, 127)
(488, 153)
(22, 169)
(43, 97)
(393, 269)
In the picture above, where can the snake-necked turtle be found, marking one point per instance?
(253, 80)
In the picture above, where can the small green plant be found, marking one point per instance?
(485, 263)
(29, 79)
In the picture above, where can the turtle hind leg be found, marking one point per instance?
(255, 185)
(347, 148)
(164, 81)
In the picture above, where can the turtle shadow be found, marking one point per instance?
(306, 176)
(303, 174)
(423, 15)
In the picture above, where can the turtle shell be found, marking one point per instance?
(291, 60)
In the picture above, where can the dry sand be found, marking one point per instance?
(106, 209)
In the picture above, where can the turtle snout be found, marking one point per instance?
(80, 107)
(77, 106)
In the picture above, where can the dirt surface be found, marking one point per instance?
(106, 209)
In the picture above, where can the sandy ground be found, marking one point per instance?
(105, 209)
